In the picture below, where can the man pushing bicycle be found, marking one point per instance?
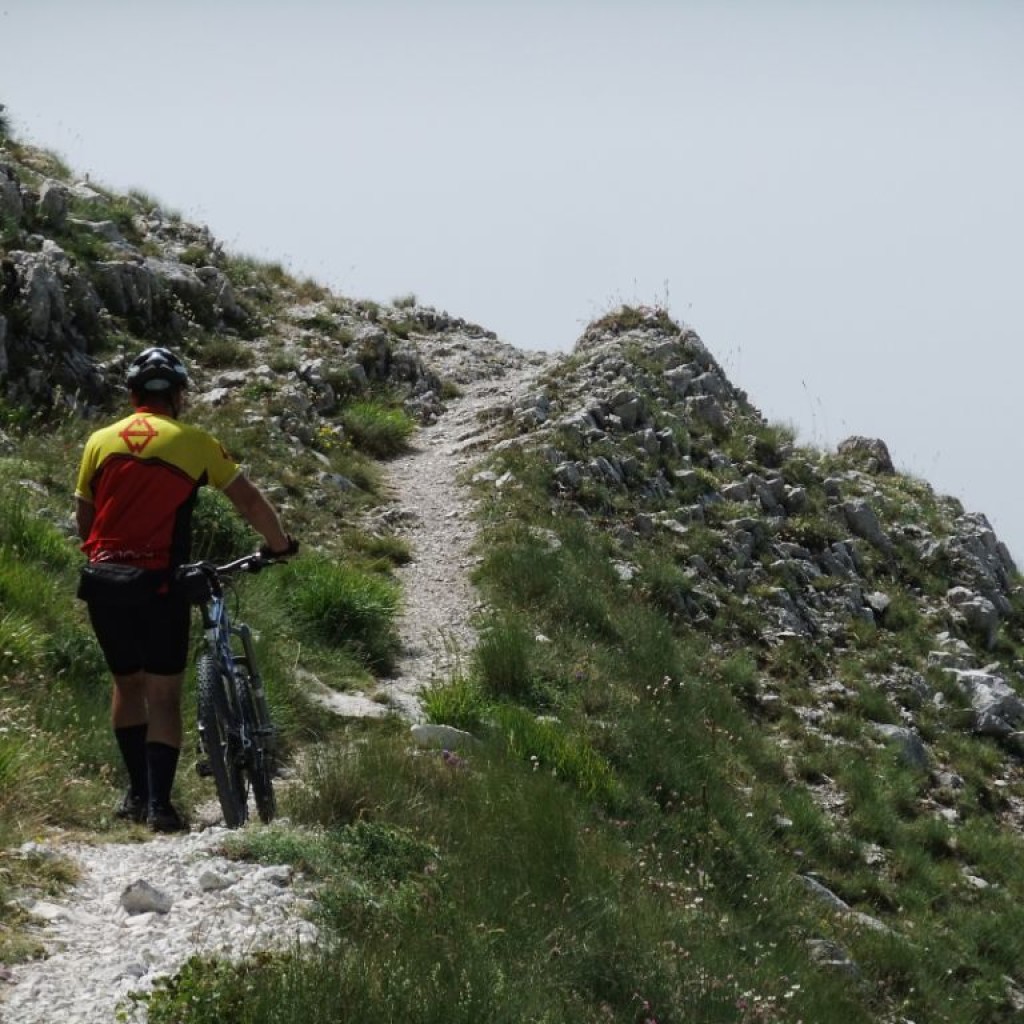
(136, 490)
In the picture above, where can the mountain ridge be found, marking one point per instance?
(644, 535)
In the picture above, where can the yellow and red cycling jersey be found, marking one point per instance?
(141, 476)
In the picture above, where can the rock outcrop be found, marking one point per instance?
(644, 434)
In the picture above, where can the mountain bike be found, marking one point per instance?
(237, 738)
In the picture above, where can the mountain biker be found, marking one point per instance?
(136, 489)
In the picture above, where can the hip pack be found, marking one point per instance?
(112, 583)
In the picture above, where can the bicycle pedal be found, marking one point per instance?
(203, 769)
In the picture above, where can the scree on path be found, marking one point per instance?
(140, 910)
(433, 510)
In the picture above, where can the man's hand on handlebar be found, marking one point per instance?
(293, 549)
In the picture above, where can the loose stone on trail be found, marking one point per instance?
(141, 898)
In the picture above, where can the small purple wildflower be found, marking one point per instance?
(453, 760)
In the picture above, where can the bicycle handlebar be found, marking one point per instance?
(213, 573)
(247, 563)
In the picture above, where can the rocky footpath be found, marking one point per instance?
(430, 507)
(139, 911)
(435, 510)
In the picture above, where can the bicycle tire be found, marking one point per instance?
(259, 760)
(220, 738)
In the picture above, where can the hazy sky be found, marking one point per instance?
(831, 193)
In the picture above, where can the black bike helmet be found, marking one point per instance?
(157, 369)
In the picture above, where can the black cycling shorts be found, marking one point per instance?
(148, 635)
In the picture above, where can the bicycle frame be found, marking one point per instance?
(219, 630)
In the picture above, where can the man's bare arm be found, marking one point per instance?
(257, 511)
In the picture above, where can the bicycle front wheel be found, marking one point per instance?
(259, 757)
(219, 735)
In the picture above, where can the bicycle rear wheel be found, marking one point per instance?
(259, 758)
(219, 735)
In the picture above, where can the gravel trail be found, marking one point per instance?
(99, 952)
(99, 949)
(434, 512)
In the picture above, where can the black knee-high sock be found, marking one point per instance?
(131, 740)
(163, 763)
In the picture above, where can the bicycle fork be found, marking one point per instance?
(259, 696)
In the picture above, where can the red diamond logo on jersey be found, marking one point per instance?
(138, 434)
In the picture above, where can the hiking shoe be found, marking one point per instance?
(165, 818)
(132, 808)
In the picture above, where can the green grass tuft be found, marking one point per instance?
(376, 429)
(346, 607)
